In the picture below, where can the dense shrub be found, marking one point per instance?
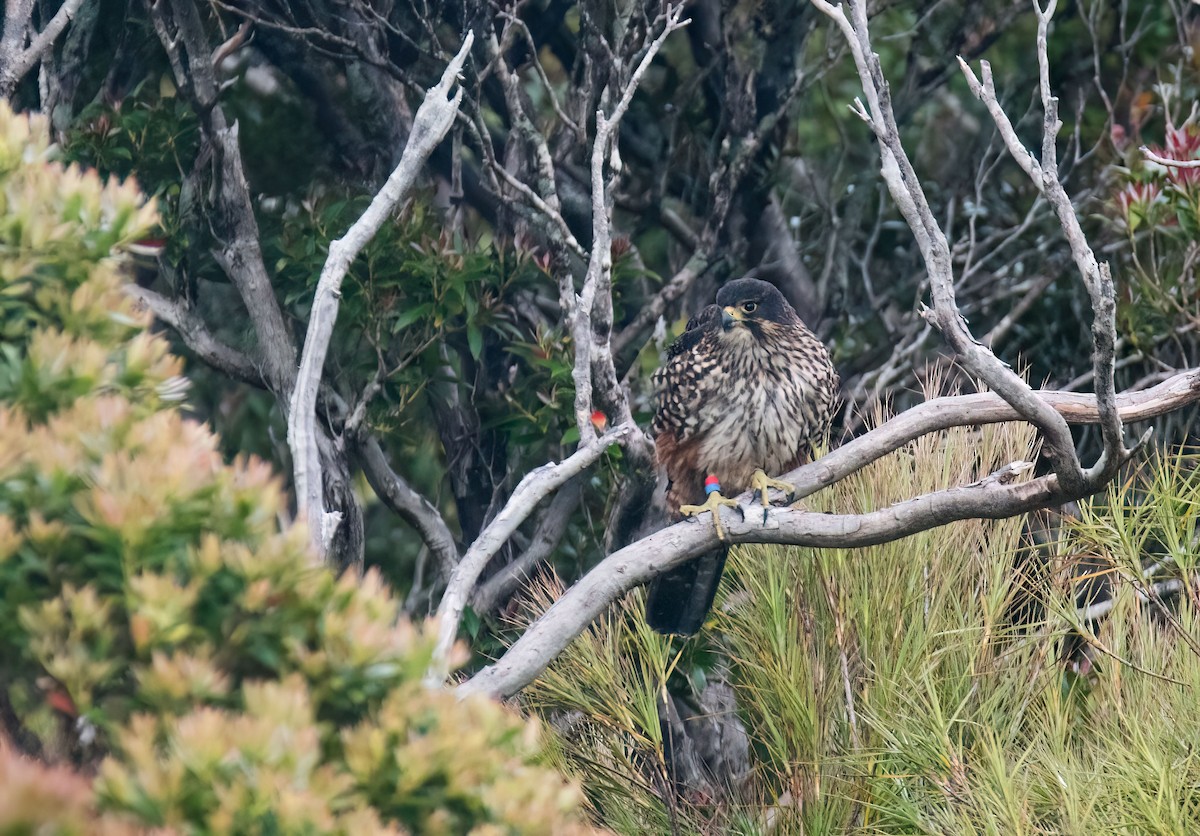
(155, 619)
(55, 801)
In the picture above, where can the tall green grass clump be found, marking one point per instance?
(159, 629)
(920, 686)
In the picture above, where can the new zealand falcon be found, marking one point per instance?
(745, 391)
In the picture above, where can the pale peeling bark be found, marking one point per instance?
(430, 126)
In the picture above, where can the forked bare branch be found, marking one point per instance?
(432, 122)
(592, 325)
(536, 486)
(593, 370)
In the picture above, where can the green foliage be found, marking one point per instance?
(891, 689)
(150, 132)
(154, 617)
(1157, 207)
(415, 290)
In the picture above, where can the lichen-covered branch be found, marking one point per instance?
(432, 122)
(978, 359)
(1097, 277)
(592, 326)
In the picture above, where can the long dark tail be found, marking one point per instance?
(679, 599)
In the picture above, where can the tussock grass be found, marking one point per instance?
(892, 689)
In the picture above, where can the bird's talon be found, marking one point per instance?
(713, 504)
(761, 482)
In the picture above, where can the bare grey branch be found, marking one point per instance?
(432, 122)
(536, 486)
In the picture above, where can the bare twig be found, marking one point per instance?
(552, 214)
(1000, 330)
(545, 199)
(536, 486)
(432, 122)
(550, 527)
(1161, 160)
(654, 308)
(520, 25)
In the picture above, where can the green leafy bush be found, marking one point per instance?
(154, 617)
(55, 801)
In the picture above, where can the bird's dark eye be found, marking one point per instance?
(749, 307)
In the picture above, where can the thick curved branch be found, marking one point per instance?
(432, 122)
(997, 496)
(196, 335)
(985, 408)
(411, 507)
(181, 31)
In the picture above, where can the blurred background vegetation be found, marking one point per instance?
(962, 680)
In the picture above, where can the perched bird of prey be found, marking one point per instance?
(745, 391)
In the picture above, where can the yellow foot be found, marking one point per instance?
(761, 482)
(713, 503)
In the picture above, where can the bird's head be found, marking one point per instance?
(753, 305)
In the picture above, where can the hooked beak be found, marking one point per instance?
(730, 317)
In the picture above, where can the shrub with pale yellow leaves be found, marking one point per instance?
(156, 623)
